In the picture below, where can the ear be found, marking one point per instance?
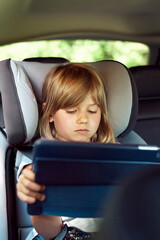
(51, 118)
(43, 105)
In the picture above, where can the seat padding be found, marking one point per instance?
(121, 96)
(147, 79)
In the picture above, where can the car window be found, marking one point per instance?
(128, 53)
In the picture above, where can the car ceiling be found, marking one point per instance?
(22, 20)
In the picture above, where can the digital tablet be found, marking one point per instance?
(79, 176)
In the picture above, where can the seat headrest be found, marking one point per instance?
(147, 80)
(21, 86)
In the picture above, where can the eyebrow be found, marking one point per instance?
(92, 104)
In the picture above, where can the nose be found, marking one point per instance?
(82, 119)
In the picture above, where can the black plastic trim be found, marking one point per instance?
(11, 193)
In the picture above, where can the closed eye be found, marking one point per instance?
(71, 111)
(92, 112)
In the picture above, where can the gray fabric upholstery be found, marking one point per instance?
(27, 101)
(132, 138)
(147, 79)
(10, 103)
(121, 95)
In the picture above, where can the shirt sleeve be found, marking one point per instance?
(24, 162)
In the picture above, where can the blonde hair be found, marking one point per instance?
(67, 86)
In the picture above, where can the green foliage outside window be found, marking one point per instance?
(128, 53)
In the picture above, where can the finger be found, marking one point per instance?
(31, 185)
(27, 199)
(28, 172)
(27, 193)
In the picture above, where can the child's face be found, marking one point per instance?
(79, 123)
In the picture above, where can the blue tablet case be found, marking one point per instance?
(79, 177)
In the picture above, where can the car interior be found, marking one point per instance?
(133, 93)
(147, 124)
(20, 130)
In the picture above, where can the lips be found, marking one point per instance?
(82, 131)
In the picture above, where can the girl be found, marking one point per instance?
(74, 109)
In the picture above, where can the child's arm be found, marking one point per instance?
(29, 191)
(47, 226)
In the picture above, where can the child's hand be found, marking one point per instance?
(27, 189)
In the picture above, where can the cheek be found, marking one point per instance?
(59, 117)
(62, 123)
(96, 121)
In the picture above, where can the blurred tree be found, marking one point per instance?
(129, 53)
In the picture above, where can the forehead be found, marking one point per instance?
(89, 100)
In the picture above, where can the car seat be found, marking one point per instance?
(147, 79)
(20, 87)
